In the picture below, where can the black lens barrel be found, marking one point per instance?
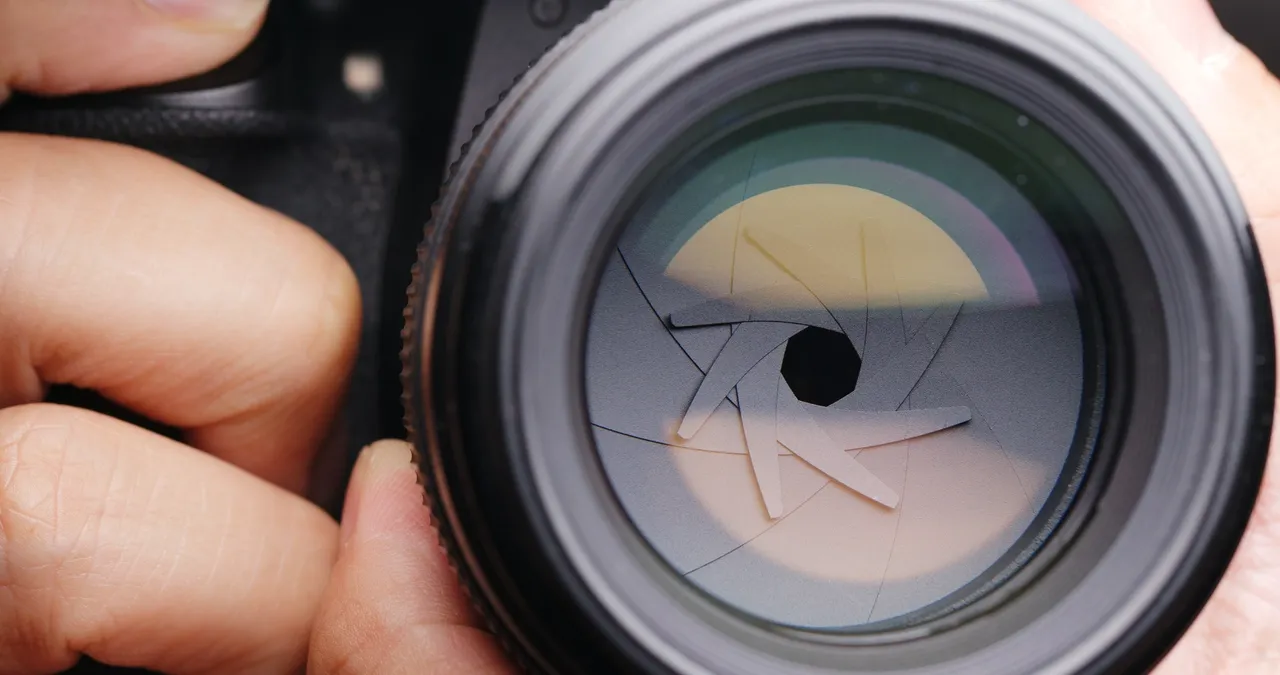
(512, 259)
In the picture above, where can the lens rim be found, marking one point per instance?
(507, 529)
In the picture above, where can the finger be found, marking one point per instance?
(124, 273)
(70, 46)
(1227, 87)
(138, 551)
(393, 604)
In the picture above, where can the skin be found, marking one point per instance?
(125, 273)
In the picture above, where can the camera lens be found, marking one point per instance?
(837, 364)
(811, 337)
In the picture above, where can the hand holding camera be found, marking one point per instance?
(690, 259)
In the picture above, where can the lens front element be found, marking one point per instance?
(920, 337)
(835, 366)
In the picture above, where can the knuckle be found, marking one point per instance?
(52, 491)
(33, 452)
(40, 527)
(333, 333)
(310, 329)
(50, 504)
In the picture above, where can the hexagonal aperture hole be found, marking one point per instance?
(821, 366)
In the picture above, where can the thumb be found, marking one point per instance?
(1228, 88)
(393, 604)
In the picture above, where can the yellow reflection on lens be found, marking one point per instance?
(831, 234)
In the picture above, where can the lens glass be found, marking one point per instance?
(837, 361)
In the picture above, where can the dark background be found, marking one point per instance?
(279, 126)
(1256, 23)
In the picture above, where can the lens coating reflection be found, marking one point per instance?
(835, 370)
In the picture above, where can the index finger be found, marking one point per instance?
(127, 274)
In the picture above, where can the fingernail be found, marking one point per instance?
(386, 458)
(384, 468)
(217, 13)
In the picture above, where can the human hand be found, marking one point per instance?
(127, 274)
(124, 273)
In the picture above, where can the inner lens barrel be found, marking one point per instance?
(837, 365)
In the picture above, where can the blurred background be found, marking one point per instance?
(1256, 23)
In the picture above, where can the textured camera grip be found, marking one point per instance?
(143, 125)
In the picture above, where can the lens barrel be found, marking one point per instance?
(839, 336)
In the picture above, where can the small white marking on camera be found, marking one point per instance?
(362, 74)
